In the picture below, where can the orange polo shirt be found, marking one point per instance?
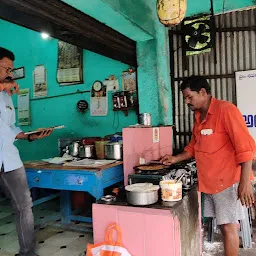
(220, 143)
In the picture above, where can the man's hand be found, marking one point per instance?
(40, 135)
(10, 87)
(245, 194)
(169, 160)
(245, 191)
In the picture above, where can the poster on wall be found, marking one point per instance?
(112, 83)
(129, 80)
(40, 83)
(246, 91)
(70, 64)
(18, 73)
(99, 100)
(23, 107)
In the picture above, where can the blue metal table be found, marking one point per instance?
(67, 179)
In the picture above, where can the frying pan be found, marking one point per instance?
(150, 167)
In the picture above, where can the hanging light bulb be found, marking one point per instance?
(45, 35)
(171, 12)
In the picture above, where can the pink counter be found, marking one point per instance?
(156, 231)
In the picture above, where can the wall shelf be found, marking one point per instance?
(125, 110)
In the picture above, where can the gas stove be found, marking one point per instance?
(188, 168)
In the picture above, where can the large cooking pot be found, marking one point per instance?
(73, 148)
(100, 149)
(145, 119)
(142, 193)
(87, 151)
(114, 151)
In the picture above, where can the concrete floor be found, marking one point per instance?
(217, 249)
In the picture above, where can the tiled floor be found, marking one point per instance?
(51, 241)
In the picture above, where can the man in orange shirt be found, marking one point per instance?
(224, 150)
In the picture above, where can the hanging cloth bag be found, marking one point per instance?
(109, 247)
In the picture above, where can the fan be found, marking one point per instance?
(197, 35)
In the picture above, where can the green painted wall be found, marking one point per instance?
(153, 59)
(108, 12)
(153, 55)
(31, 50)
(135, 18)
(138, 20)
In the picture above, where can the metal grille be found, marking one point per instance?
(235, 51)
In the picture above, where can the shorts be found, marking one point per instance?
(224, 206)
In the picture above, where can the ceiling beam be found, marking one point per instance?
(68, 24)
